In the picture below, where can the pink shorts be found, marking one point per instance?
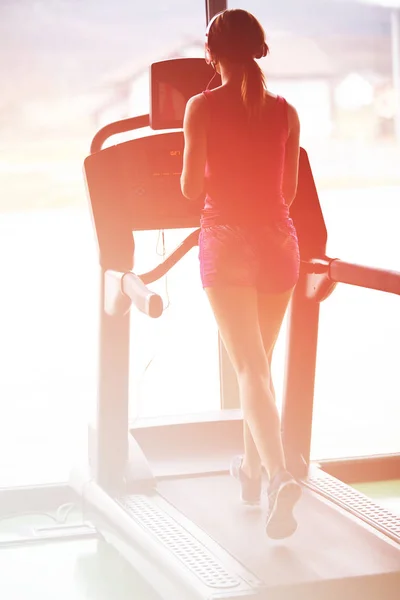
(266, 257)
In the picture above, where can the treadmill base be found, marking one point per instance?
(192, 540)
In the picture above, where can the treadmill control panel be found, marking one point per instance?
(137, 183)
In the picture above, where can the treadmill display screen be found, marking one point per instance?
(171, 103)
(172, 83)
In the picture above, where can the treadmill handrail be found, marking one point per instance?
(372, 278)
(121, 286)
(122, 289)
(171, 260)
(325, 273)
(144, 299)
(122, 126)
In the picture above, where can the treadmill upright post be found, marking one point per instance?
(109, 456)
(298, 396)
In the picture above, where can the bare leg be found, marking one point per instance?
(271, 311)
(236, 312)
(251, 464)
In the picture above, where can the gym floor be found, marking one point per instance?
(91, 569)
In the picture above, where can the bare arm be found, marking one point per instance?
(291, 171)
(195, 152)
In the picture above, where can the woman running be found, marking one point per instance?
(242, 152)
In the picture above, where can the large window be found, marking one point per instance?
(357, 390)
(357, 409)
(67, 67)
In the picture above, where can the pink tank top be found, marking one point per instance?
(245, 163)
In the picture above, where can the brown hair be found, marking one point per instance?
(237, 36)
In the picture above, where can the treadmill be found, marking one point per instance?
(160, 490)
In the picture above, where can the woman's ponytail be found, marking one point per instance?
(236, 35)
(253, 88)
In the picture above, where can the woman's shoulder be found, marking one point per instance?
(199, 102)
(197, 99)
(270, 96)
(196, 104)
(278, 99)
(196, 113)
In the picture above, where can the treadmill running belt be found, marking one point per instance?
(328, 545)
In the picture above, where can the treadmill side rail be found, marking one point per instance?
(178, 562)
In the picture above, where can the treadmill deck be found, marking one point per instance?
(329, 544)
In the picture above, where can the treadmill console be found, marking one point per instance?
(172, 83)
(136, 186)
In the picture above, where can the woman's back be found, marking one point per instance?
(245, 160)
